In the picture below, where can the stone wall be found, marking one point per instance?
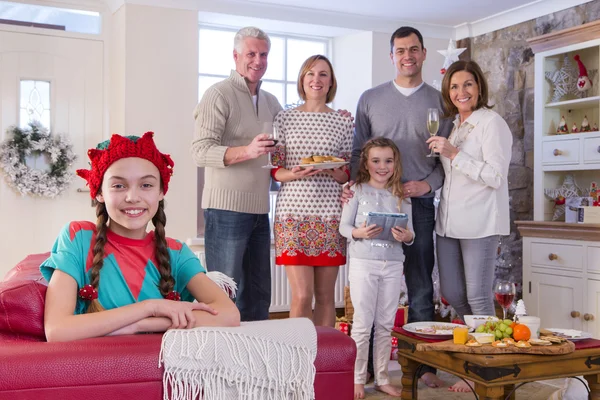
(508, 63)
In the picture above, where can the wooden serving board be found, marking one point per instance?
(448, 345)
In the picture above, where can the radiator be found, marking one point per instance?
(280, 289)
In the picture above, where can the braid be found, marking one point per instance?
(98, 261)
(167, 283)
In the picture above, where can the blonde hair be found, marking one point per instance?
(394, 184)
(306, 66)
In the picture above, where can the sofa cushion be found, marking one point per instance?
(22, 294)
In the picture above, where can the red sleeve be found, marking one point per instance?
(274, 171)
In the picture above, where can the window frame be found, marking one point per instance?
(327, 42)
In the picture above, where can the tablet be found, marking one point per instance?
(387, 221)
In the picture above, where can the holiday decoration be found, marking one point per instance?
(595, 127)
(574, 128)
(585, 125)
(451, 55)
(564, 80)
(562, 126)
(36, 141)
(568, 189)
(583, 81)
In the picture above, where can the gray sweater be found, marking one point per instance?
(384, 111)
(368, 199)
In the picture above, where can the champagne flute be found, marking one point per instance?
(504, 291)
(433, 124)
(268, 127)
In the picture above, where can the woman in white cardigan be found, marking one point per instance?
(474, 206)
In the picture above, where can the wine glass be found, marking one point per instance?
(433, 124)
(504, 291)
(268, 127)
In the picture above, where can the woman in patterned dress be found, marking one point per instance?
(307, 215)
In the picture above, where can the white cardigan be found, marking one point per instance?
(474, 199)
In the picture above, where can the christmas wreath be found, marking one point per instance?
(36, 141)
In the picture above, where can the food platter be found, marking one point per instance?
(324, 165)
(433, 330)
(570, 334)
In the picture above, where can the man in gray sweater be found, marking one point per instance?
(398, 110)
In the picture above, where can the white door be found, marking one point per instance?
(553, 298)
(74, 68)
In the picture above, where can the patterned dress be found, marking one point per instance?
(307, 215)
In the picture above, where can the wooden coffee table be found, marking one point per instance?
(495, 376)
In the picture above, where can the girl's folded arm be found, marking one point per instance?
(206, 291)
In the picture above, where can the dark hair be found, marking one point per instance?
(166, 284)
(306, 66)
(403, 32)
(394, 184)
(473, 68)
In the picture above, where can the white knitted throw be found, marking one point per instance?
(263, 360)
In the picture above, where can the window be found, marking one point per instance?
(285, 59)
(50, 17)
(34, 103)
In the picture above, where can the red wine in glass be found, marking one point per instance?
(505, 292)
(505, 300)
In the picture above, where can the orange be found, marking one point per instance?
(521, 332)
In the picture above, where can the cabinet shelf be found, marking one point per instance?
(576, 104)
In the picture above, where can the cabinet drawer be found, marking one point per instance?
(557, 255)
(593, 258)
(591, 150)
(560, 152)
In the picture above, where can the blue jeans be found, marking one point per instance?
(239, 245)
(419, 262)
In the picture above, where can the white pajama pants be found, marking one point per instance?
(375, 292)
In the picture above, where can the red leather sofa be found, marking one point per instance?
(122, 367)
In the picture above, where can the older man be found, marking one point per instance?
(230, 145)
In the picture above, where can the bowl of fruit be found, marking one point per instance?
(474, 321)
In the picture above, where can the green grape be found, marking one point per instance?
(507, 321)
(502, 327)
(498, 334)
(480, 329)
(506, 334)
(509, 330)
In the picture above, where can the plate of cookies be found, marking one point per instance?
(322, 162)
(569, 334)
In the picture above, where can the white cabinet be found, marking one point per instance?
(561, 262)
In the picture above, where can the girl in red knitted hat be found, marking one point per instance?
(113, 277)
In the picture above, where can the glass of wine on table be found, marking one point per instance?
(433, 124)
(505, 292)
(269, 128)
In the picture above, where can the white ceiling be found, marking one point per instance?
(432, 12)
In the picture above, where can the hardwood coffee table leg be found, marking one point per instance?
(489, 393)
(408, 371)
(594, 384)
(507, 390)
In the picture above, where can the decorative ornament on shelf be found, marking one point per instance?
(450, 55)
(595, 127)
(559, 195)
(36, 141)
(562, 126)
(520, 310)
(574, 128)
(564, 80)
(585, 125)
(583, 80)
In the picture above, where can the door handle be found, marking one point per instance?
(557, 152)
(552, 257)
(575, 314)
(588, 317)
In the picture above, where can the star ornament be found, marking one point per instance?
(451, 55)
(569, 188)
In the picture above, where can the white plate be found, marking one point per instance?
(444, 328)
(324, 165)
(567, 333)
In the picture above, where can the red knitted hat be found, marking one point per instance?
(120, 147)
